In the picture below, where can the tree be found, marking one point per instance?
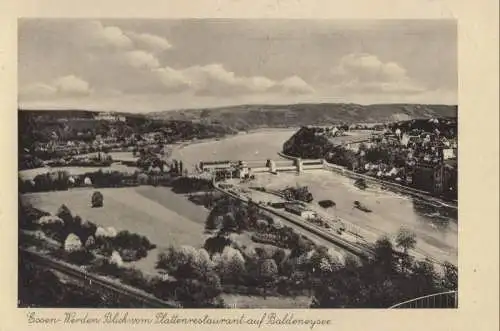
(268, 270)
(194, 293)
(185, 262)
(97, 199)
(217, 243)
(81, 256)
(423, 278)
(384, 254)
(450, 278)
(229, 223)
(406, 240)
(231, 265)
(65, 214)
(279, 256)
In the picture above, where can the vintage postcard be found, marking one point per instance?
(238, 171)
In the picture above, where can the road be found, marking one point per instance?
(309, 230)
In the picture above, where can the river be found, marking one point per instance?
(436, 230)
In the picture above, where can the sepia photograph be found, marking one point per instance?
(237, 163)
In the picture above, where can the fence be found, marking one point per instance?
(444, 300)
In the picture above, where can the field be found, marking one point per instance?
(436, 235)
(126, 209)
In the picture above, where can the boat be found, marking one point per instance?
(361, 207)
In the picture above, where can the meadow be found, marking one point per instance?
(126, 209)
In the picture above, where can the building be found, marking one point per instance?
(449, 153)
(110, 117)
(428, 177)
(299, 210)
(216, 165)
(243, 171)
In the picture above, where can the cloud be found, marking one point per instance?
(172, 80)
(112, 59)
(215, 80)
(150, 42)
(366, 73)
(295, 85)
(65, 86)
(94, 34)
(140, 59)
(71, 85)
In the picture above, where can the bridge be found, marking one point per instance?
(248, 167)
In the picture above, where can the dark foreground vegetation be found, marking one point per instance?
(39, 287)
(392, 276)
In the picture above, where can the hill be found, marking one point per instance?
(256, 116)
(43, 125)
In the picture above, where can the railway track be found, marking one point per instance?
(136, 295)
(358, 250)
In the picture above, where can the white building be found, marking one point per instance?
(448, 153)
(109, 117)
(300, 211)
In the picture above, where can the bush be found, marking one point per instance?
(135, 278)
(97, 199)
(217, 244)
(81, 257)
(105, 267)
(326, 203)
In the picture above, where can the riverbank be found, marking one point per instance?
(428, 198)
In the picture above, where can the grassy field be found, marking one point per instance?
(436, 237)
(126, 209)
(178, 203)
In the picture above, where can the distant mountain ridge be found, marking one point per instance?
(255, 116)
(244, 117)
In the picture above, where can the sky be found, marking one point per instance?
(151, 65)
